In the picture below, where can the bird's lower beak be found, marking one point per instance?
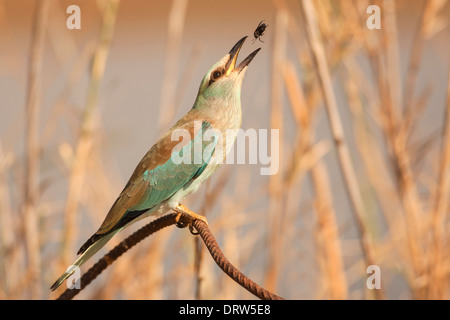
(230, 66)
(246, 61)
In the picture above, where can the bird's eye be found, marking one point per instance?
(217, 74)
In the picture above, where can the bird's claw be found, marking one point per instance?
(191, 229)
(180, 224)
(180, 209)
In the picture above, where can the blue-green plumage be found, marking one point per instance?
(173, 169)
(168, 178)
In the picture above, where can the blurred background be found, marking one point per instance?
(364, 162)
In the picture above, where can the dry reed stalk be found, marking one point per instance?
(149, 263)
(438, 278)
(231, 245)
(396, 136)
(167, 107)
(395, 139)
(302, 117)
(351, 183)
(412, 120)
(329, 247)
(227, 223)
(198, 248)
(85, 138)
(327, 235)
(293, 28)
(373, 162)
(124, 279)
(391, 47)
(244, 242)
(398, 129)
(59, 109)
(276, 181)
(198, 258)
(8, 235)
(415, 230)
(425, 28)
(32, 149)
(381, 188)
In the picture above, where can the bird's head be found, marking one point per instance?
(222, 83)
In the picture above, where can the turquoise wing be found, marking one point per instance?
(162, 172)
(183, 166)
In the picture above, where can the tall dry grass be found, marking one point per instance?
(362, 180)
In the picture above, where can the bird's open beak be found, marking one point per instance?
(230, 66)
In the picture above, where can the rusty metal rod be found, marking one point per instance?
(226, 265)
(157, 225)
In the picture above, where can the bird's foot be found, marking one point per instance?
(180, 209)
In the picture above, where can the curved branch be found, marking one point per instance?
(227, 267)
(155, 226)
(118, 250)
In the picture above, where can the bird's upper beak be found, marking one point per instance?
(230, 66)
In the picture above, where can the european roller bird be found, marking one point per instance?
(161, 181)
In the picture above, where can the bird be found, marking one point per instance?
(159, 183)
